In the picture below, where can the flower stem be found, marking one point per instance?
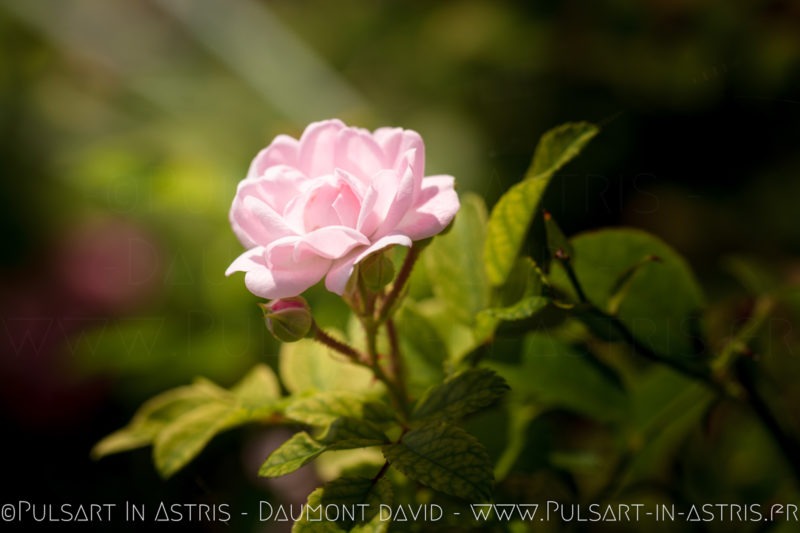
(566, 262)
(396, 388)
(395, 358)
(786, 442)
(752, 397)
(345, 349)
(399, 283)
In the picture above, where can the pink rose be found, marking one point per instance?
(315, 207)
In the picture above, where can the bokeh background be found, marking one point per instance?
(125, 126)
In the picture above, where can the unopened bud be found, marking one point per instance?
(377, 271)
(288, 319)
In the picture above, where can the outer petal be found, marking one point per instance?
(286, 273)
(283, 150)
(341, 270)
(318, 147)
(332, 242)
(257, 223)
(436, 206)
(252, 259)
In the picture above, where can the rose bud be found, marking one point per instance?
(288, 319)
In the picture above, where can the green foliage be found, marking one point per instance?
(454, 262)
(446, 458)
(307, 366)
(423, 348)
(179, 423)
(324, 408)
(566, 334)
(346, 492)
(352, 491)
(296, 452)
(554, 374)
(460, 395)
(513, 213)
(661, 297)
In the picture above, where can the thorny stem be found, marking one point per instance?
(565, 260)
(787, 444)
(381, 473)
(644, 351)
(396, 386)
(395, 358)
(399, 283)
(341, 347)
(370, 360)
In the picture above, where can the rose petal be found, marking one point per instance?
(342, 269)
(436, 206)
(252, 259)
(347, 203)
(396, 142)
(318, 147)
(283, 275)
(279, 185)
(283, 150)
(404, 197)
(358, 153)
(329, 201)
(257, 222)
(377, 201)
(332, 241)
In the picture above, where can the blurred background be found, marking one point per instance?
(126, 125)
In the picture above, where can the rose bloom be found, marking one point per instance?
(315, 207)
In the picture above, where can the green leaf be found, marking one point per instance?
(559, 146)
(347, 433)
(181, 440)
(667, 407)
(515, 210)
(521, 296)
(333, 464)
(754, 275)
(258, 388)
(554, 374)
(312, 519)
(151, 418)
(296, 452)
(180, 422)
(460, 339)
(454, 262)
(624, 283)
(358, 493)
(345, 493)
(445, 458)
(423, 349)
(660, 299)
(128, 438)
(307, 365)
(461, 395)
(525, 308)
(520, 417)
(324, 408)
(344, 433)
(557, 243)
